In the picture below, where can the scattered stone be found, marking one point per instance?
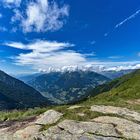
(117, 110)
(127, 129)
(81, 114)
(49, 117)
(74, 107)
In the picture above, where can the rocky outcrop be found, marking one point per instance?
(125, 128)
(62, 132)
(5, 135)
(49, 117)
(99, 128)
(22, 131)
(27, 133)
(117, 110)
(75, 127)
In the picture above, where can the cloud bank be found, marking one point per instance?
(46, 54)
(43, 55)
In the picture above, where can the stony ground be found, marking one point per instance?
(115, 123)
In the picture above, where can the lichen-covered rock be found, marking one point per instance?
(75, 127)
(117, 110)
(49, 117)
(27, 133)
(5, 135)
(56, 133)
(127, 129)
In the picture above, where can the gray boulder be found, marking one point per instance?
(117, 110)
(127, 129)
(49, 117)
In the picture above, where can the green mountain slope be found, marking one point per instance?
(118, 91)
(7, 103)
(18, 93)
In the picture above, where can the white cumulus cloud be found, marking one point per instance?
(41, 16)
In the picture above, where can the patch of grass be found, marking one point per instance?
(72, 114)
(21, 114)
(46, 127)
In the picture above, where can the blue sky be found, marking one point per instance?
(39, 35)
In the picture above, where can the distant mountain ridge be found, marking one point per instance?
(63, 87)
(16, 94)
(124, 88)
(67, 87)
(112, 74)
(28, 77)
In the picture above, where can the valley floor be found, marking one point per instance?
(77, 122)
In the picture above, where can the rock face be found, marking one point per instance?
(49, 117)
(4, 135)
(27, 133)
(100, 128)
(117, 110)
(127, 129)
(75, 127)
(59, 133)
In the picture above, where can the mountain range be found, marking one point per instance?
(16, 94)
(42, 89)
(69, 85)
(66, 87)
(112, 74)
